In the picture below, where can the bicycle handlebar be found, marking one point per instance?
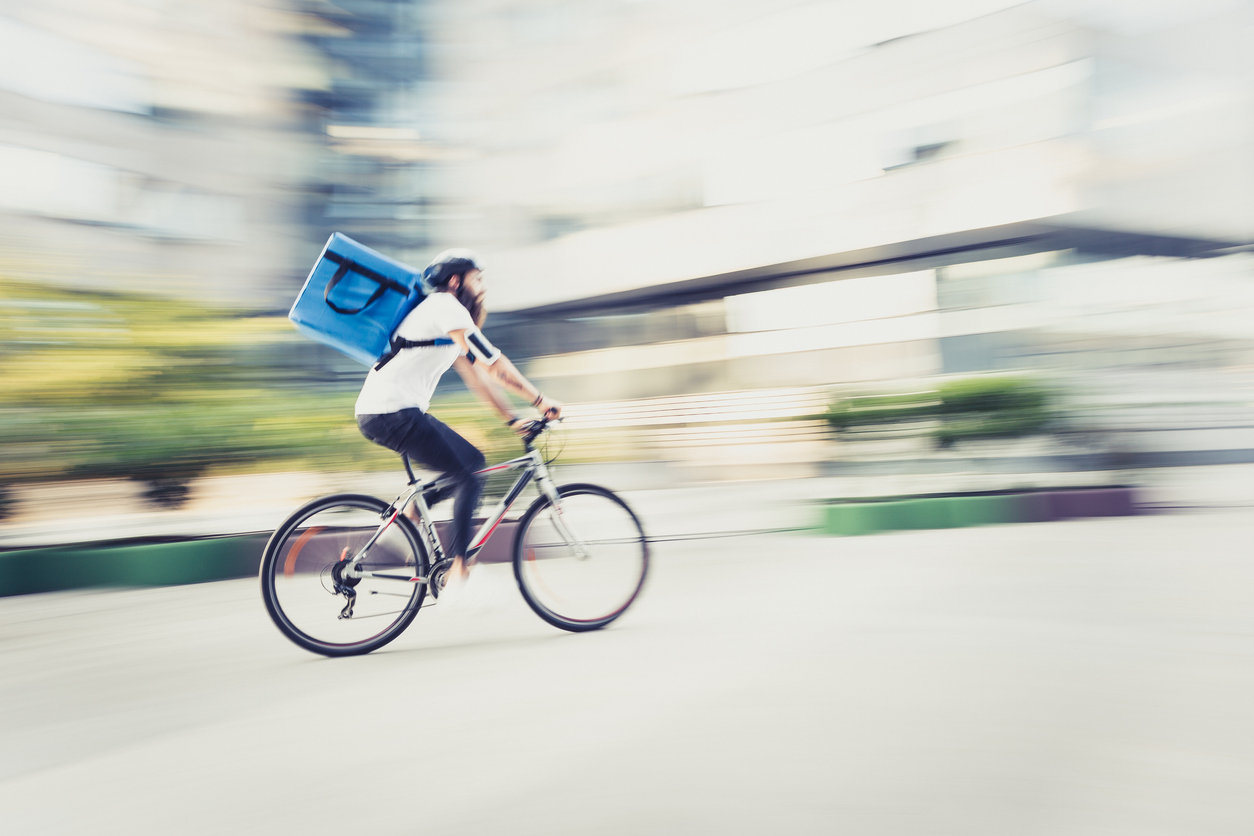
(538, 428)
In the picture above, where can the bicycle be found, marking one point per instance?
(331, 572)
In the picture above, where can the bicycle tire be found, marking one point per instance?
(573, 593)
(303, 550)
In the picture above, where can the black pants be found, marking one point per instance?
(431, 443)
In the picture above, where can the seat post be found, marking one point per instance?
(408, 470)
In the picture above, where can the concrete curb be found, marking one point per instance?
(852, 518)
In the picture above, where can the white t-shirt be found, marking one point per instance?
(408, 379)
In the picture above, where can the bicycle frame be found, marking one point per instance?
(533, 467)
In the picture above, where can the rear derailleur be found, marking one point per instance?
(344, 586)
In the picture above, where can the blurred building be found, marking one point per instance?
(155, 147)
(207, 149)
(711, 196)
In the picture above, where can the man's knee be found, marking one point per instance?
(467, 474)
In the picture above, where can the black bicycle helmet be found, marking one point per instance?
(448, 264)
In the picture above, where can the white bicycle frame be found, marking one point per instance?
(533, 467)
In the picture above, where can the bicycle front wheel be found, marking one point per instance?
(580, 565)
(304, 589)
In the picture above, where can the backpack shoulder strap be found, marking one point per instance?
(400, 343)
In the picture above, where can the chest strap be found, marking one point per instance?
(400, 343)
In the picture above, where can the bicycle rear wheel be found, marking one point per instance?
(299, 576)
(581, 566)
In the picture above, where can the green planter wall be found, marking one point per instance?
(24, 571)
(854, 517)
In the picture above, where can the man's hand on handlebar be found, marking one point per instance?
(525, 427)
(550, 409)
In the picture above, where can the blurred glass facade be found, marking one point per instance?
(375, 181)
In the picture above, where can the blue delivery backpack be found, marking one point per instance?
(355, 298)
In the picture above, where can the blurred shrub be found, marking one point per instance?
(168, 493)
(991, 407)
(874, 410)
(101, 385)
(956, 410)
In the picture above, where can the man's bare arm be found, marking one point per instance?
(506, 374)
(503, 373)
(482, 389)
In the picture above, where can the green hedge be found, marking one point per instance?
(956, 410)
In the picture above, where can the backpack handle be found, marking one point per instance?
(348, 264)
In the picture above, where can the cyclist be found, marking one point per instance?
(443, 331)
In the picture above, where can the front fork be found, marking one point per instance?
(563, 525)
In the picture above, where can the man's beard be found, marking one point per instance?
(473, 304)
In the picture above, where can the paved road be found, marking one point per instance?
(1070, 678)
